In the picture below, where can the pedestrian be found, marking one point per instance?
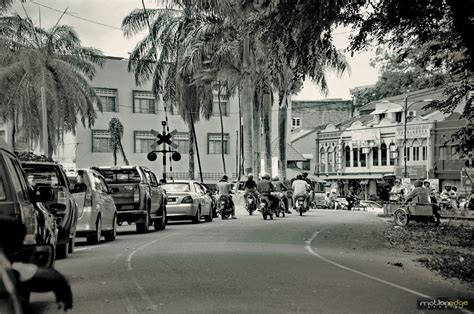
(397, 192)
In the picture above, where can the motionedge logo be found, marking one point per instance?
(445, 304)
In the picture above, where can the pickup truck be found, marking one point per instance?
(137, 195)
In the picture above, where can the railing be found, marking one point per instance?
(206, 175)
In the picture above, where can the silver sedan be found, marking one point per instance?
(188, 200)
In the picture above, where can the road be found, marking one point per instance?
(323, 262)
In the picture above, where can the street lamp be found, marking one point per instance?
(405, 113)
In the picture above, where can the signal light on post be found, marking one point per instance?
(176, 156)
(151, 156)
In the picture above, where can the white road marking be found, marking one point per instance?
(394, 285)
(88, 248)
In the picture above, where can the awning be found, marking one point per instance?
(356, 177)
(394, 109)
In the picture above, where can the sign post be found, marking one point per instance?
(164, 139)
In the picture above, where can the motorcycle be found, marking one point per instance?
(251, 203)
(225, 208)
(280, 207)
(265, 207)
(300, 204)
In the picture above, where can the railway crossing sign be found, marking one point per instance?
(164, 138)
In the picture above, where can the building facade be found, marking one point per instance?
(312, 114)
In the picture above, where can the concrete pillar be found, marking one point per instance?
(430, 142)
(316, 154)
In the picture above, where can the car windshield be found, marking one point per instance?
(176, 187)
(41, 175)
(3, 195)
(120, 175)
(79, 177)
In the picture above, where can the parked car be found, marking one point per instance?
(97, 214)
(62, 203)
(188, 200)
(137, 195)
(319, 200)
(20, 201)
(211, 190)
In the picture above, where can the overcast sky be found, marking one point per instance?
(112, 42)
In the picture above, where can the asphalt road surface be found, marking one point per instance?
(323, 262)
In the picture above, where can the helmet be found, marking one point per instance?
(418, 183)
(398, 181)
(275, 178)
(225, 178)
(250, 176)
(266, 176)
(299, 176)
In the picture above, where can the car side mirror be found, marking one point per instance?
(79, 188)
(43, 194)
(41, 255)
(114, 190)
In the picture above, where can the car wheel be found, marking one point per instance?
(160, 223)
(97, 235)
(197, 217)
(62, 250)
(110, 236)
(72, 243)
(401, 217)
(209, 217)
(144, 227)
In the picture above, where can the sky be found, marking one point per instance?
(112, 42)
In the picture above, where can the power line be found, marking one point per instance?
(77, 16)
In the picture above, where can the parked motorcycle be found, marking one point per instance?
(265, 207)
(251, 203)
(300, 204)
(225, 208)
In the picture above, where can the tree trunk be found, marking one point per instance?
(282, 125)
(257, 135)
(197, 149)
(114, 153)
(267, 130)
(125, 160)
(191, 152)
(222, 129)
(247, 107)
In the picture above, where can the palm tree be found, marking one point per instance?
(116, 133)
(160, 57)
(44, 64)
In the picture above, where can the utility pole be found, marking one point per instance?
(163, 123)
(405, 151)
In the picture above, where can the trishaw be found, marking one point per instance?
(416, 212)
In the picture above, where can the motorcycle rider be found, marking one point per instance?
(432, 195)
(224, 188)
(281, 187)
(310, 191)
(351, 199)
(250, 187)
(300, 188)
(419, 194)
(397, 192)
(265, 188)
(30, 277)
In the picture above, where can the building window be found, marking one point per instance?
(381, 116)
(143, 141)
(407, 153)
(214, 143)
(182, 140)
(347, 153)
(332, 160)
(101, 142)
(393, 153)
(398, 117)
(416, 153)
(3, 135)
(323, 160)
(383, 153)
(144, 102)
(224, 101)
(424, 153)
(108, 98)
(295, 123)
(375, 156)
(363, 158)
(355, 157)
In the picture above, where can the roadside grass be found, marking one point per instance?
(446, 249)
